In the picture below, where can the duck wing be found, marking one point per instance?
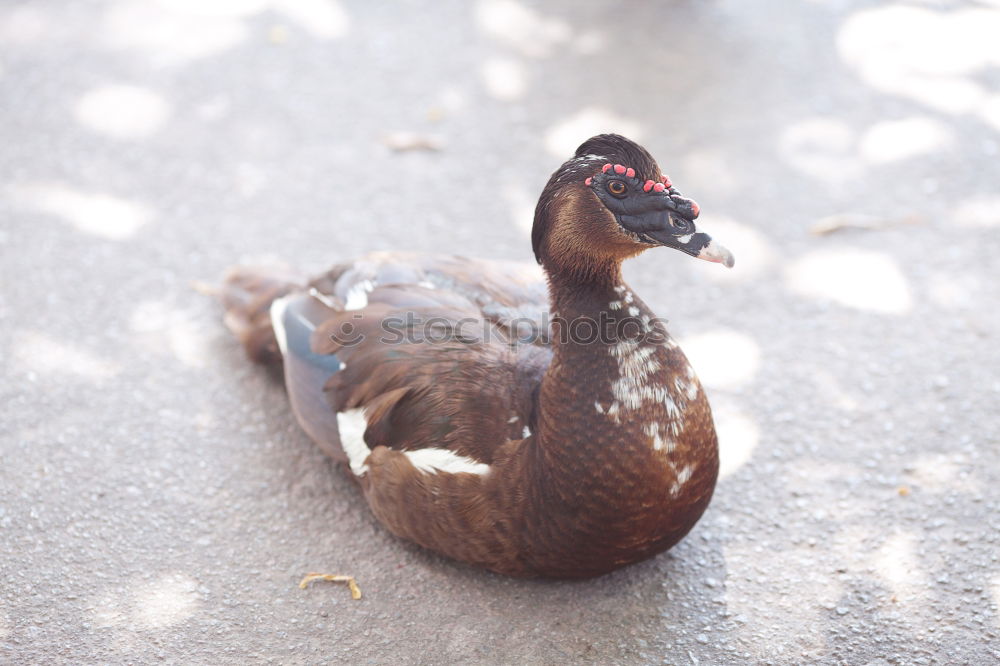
(439, 352)
(511, 295)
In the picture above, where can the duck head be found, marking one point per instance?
(610, 202)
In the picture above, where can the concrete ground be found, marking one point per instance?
(158, 504)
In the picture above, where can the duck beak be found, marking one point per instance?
(695, 243)
(716, 253)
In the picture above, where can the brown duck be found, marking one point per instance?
(533, 429)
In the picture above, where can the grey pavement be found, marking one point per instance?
(158, 503)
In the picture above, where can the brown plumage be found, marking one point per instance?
(529, 428)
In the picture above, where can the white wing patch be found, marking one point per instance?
(352, 425)
(357, 295)
(277, 313)
(433, 461)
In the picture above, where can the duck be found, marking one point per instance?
(535, 420)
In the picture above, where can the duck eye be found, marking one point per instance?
(616, 187)
(680, 224)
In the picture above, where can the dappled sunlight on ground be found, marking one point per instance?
(955, 290)
(160, 603)
(505, 78)
(526, 30)
(160, 328)
(859, 278)
(833, 151)
(122, 112)
(39, 353)
(234, 8)
(95, 213)
(167, 37)
(452, 100)
(106, 611)
(931, 56)
(979, 212)
(565, 135)
(892, 140)
(323, 19)
(167, 601)
(990, 112)
(723, 358)
(832, 391)
(896, 561)
(175, 32)
(738, 434)
(28, 24)
(942, 472)
(727, 361)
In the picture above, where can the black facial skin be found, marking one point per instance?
(657, 218)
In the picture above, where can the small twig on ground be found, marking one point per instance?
(205, 288)
(407, 141)
(833, 223)
(333, 578)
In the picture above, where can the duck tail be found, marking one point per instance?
(247, 294)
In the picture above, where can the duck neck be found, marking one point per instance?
(586, 308)
(583, 291)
